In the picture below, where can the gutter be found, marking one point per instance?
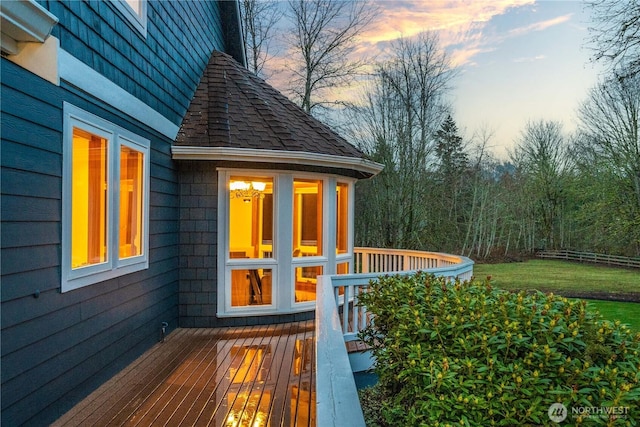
(275, 156)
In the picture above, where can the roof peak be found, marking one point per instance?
(234, 108)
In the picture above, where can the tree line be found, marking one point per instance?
(439, 191)
(576, 191)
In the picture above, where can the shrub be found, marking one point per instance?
(468, 354)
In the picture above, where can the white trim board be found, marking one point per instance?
(274, 156)
(79, 74)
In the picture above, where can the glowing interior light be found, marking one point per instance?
(258, 186)
(239, 185)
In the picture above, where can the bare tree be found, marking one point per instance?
(608, 144)
(541, 157)
(610, 120)
(616, 36)
(325, 34)
(396, 124)
(259, 18)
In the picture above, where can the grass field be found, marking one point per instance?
(569, 278)
(625, 312)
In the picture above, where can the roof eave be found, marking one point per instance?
(249, 155)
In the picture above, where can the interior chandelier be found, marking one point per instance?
(247, 190)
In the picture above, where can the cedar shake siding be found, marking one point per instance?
(59, 346)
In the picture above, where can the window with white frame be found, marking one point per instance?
(278, 231)
(105, 200)
(135, 11)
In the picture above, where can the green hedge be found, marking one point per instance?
(468, 354)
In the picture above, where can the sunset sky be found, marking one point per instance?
(518, 60)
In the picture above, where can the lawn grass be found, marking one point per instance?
(625, 312)
(571, 279)
(560, 276)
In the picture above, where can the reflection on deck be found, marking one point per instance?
(243, 376)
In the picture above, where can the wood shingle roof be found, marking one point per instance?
(235, 112)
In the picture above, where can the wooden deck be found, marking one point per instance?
(244, 376)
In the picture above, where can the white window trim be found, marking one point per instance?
(283, 264)
(117, 137)
(79, 74)
(139, 22)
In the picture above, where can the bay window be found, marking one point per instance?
(277, 232)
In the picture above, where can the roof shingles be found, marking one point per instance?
(234, 108)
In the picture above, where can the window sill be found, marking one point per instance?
(93, 278)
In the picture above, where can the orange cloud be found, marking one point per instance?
(459, 25)
(408, 18)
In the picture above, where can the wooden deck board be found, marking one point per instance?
(253, 376)
(194, 401)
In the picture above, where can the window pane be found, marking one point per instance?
(131, 200)
(251, 287)
(251, 217)
(306, 279)
(342, 268)
(88, 199)
(307, 218)
(342, 218)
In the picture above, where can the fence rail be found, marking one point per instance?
(619, 261)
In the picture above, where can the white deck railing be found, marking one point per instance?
(336, 395)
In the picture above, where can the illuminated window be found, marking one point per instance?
(307, 217)
(306, 280)
(342, 218)
(342, 268)
(250, 238)
(131, 200)
(251, 217)
(276, 232)
(88, 199)
(105, 188)
(250, 287)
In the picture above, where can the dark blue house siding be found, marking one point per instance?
(162, 69)
(198, 243)
(58, 347)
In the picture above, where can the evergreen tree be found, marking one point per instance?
(450, 150)
(453, 191)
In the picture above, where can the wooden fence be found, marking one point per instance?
(619, 261)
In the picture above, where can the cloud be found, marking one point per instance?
(540, 26)
(462, 26)
(530, 59)
(408, 18)
(455, 21)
